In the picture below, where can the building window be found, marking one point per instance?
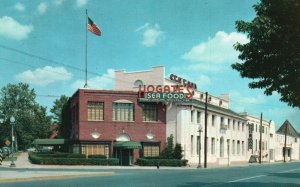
(243, 126)
(198, 117)
(238, 150)
(192, 144)
(233, 147)
(243, 147)
(123, 112)
(97, 149)
(212, 146)
(150, 150)
(213, 119)
(95, 111)
(228, 122)
(295, 139)
(238, 126)
(149, 112)
(138, 83)
(233, 125)
(192, 116)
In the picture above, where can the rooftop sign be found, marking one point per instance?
(183, 81)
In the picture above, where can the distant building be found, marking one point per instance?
(292, 143)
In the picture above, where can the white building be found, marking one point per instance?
(266, 136)
(227, 131)
(292, 143)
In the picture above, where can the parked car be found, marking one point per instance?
(6, 151)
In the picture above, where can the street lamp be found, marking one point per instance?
(95, 134)
(199, 130)
(12, 121)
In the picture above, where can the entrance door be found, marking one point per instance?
(125, 156)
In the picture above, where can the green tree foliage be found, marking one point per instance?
(177, 154)
(272, 57)
(32, 122)
(66, 125)
(57, 108)
(168, 151)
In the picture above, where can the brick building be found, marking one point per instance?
(116, 124)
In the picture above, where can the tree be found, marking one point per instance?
(272, 57)
(177, 154)
(57, 108)
(168, 151)
(32, 122)
(66, 125)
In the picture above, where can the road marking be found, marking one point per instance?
(242, 179)
(289, 170)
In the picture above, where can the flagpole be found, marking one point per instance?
(86, 25)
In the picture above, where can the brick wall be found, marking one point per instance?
(110, 129)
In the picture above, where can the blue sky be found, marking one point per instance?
(190, 38)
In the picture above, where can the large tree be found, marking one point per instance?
(57, 108)
(272, 57)
(32, 122)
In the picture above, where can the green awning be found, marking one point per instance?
(51, 142)
(128, 145)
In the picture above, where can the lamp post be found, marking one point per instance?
(12, 121)
(199, 130)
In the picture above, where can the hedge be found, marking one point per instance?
(36, 159)
(97, 156)
(60, 155)
(161, 162)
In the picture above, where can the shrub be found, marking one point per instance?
(177, 154)
(161, 162)
(97, 156)
(36, 159)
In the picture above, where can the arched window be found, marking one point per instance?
(138, 83)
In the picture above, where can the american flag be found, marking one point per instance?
(93, 27)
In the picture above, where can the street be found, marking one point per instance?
(256, 175)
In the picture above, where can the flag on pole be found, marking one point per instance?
(93, 27)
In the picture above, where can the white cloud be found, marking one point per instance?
(10, 28)
(106, 81)
(218, 49)
(203, 80)
(42, 8)
(19, 7)
(81, 3)
(44, 76)
(58, 2)
(151, 34)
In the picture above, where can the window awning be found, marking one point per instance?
(128, 145)
(51, 142)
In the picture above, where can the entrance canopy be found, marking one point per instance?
(128, 145)
(50, 142)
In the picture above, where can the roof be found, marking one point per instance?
(213, 108)
(51, 141)
(288, 127)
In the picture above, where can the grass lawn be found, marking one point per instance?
(15, 156)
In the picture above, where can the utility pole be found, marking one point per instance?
(205, 132)
(284, 149)
(260, 134)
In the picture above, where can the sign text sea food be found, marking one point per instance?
(166, 96)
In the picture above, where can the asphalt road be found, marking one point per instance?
(270, 175)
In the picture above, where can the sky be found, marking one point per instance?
(42, 43)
